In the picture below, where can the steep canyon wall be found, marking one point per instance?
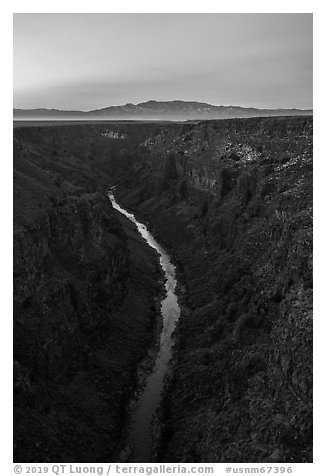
(232, 200)
(85, 291)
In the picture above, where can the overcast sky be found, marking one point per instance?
(88, 61)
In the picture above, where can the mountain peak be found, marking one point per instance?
(157, 110)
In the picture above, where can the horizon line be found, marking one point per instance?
(166, 101)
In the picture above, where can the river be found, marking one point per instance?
(140, 434)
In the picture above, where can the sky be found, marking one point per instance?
(90, 61)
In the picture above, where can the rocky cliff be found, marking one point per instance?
(232, 200)
(85, 290)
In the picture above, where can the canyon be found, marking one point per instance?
(231, 202)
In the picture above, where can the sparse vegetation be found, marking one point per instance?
(242, 384)
(232, 202)
(84, 290)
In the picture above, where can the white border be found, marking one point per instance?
(139, 6)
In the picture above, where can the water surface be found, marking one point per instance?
(140, 437)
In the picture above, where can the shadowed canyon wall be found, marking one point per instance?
(232, 202)
(85, 291)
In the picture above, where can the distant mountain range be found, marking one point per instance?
(157, 110)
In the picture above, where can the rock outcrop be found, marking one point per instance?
(85, 289)
(232, 201)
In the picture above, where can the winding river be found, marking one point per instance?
(140, 437)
